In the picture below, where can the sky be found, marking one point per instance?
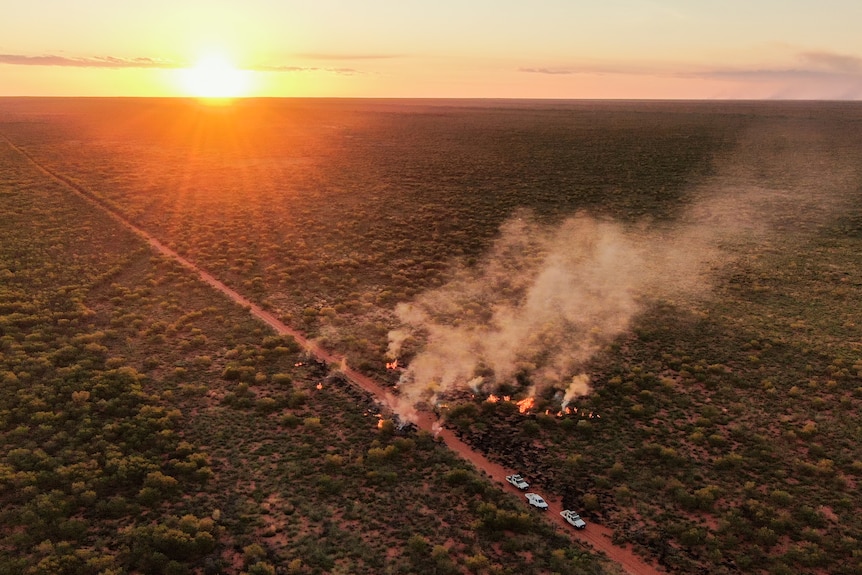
(630, 49)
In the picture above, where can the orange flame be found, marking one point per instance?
(526, 404)
(380, 423)
(507, 398)
(320, 385)
(560, 414)
(392, 364)
(492, 398)
(298, 364)
(569, 411)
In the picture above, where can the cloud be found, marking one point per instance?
(813, 75)
(551, 71)
(808, 75)
(91, 62)
(629, 68)
(771, 74)
(152, 63)
(810, 65)
(838, 63)
(324, 56)
(343, 71)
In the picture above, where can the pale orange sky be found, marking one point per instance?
(410, 48)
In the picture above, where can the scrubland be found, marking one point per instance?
(144, 417)
(149, 425)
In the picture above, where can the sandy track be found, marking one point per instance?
(597, 536)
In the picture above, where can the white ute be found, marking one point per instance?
(573, 518)
(517, 481)
(536, 500)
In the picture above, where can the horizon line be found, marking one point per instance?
(423, 98)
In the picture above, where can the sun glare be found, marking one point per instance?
(215, 77)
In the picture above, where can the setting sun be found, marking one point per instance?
(215, 77)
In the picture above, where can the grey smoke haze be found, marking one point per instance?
(546, 298)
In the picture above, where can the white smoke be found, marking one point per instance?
(547, 298)
(542, 303)
(579, 386)
(476, 383)
(402, 407)
(397, 337)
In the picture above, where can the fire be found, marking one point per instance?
(507, 398)
(298, 364)
(320, 385)
(526, 404)
(380, 423)
(566, 411)
(492, 398)
(392, 364)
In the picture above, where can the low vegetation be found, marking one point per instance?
(724, 435)
(148, 425)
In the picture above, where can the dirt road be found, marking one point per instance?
(595, 535)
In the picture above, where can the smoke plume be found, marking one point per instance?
(548, 297)
(579, 386)
(544, 301)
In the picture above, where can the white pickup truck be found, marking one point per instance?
(536, 500)
(573, 518)
(517, 481)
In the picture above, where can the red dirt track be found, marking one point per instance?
(597, 536)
